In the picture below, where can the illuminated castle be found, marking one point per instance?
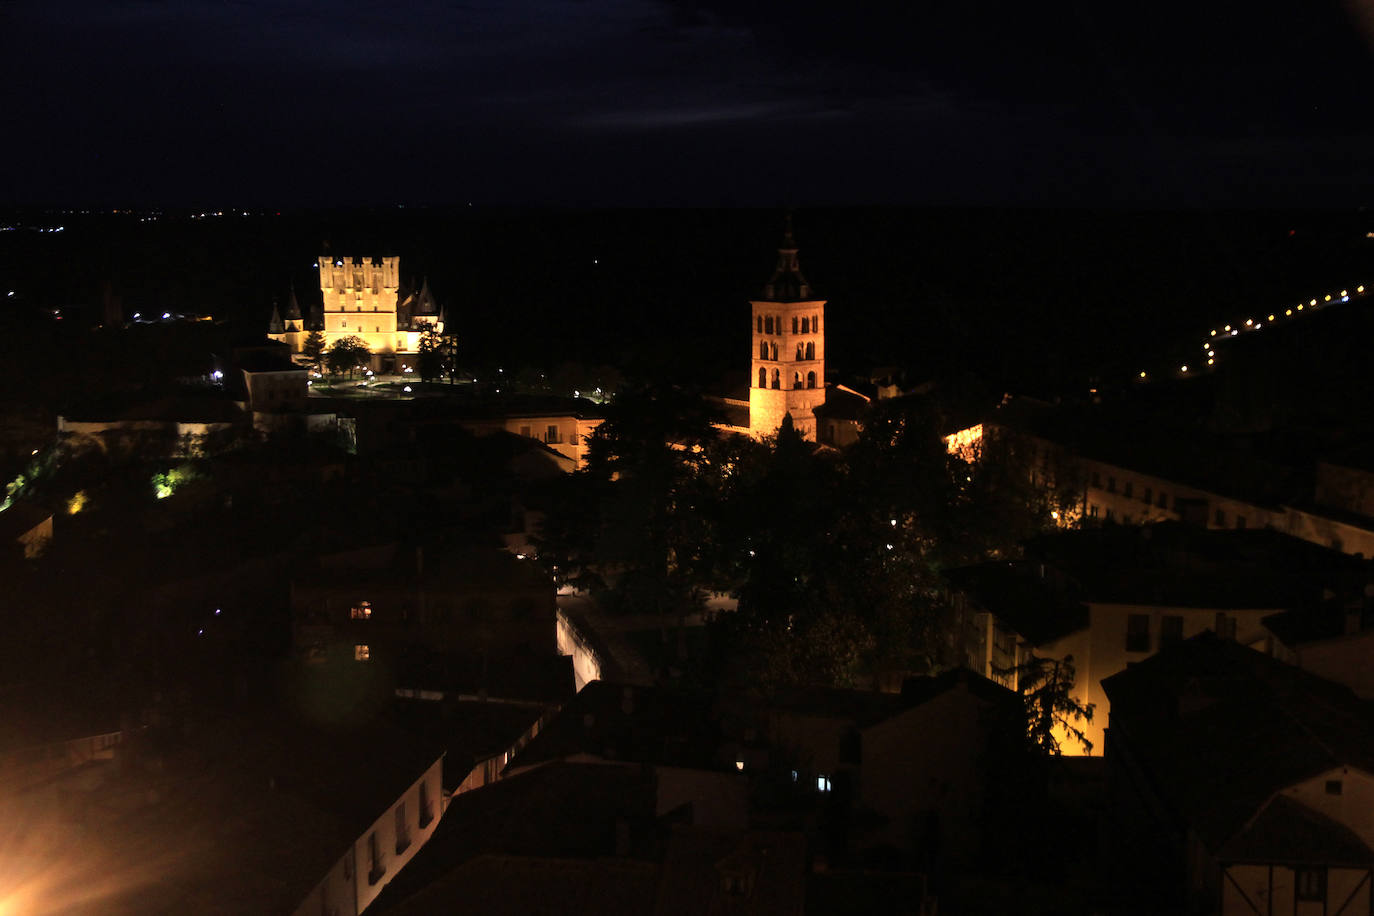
(363, 297)
(788, 355)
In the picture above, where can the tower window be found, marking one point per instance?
(816, 324)
(794, 324)
(810, 350)
(777, 379)
(763, 349)
(768, 325)
(810, 379)
(773, 352)
(759, 323)
(806, 326)
(796, 379)
(763, 378)
(800, 351)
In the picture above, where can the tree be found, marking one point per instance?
(429, 359)
(313, 350)
(1046, 686)
(347, 354)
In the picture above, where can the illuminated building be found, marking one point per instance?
(363, 297)
(787, 352)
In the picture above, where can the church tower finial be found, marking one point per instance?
(274, 325)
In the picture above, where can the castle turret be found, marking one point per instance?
(787, 358)
(294, 321)
(274, 324)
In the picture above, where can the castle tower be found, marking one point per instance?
(787, 360)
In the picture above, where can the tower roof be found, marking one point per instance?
(787, 283)
(274, 325)
(293, 308)
(425, 305)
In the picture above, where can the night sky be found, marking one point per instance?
(722, 102)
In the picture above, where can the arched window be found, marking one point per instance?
(810, 351)
(777, 379)
(806, 326)
(763, 378)
(763, 349)
(768, 325)
(815, 324)
(794, 324)
(799, 351)
(759, 319)
(773, 353)
(810, 379)
(796, 379)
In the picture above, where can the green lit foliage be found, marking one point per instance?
(429, 360)
(347, 355)
(167, 482)
(313, 350)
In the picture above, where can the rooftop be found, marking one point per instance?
(1221, 728)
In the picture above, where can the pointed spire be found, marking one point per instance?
(425, 306)
(274, 325)
(443, 316)
(293, 308)
(787, 283)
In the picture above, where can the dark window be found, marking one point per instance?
(375, 866)
(1092, 512)
(426, 810)
(810, 349)
(1163, 500)
(1128, 489)
(796, 379)
(768, 325)
(759, 322)
(551, 434)
(794, 324)
(1309, 883)
(763, 349)
(1138, 633)
(772, 351)
(1240, 521)
(1111, 484)
(811, 380)
(800, 351)
(777, 379)
(763, 378)
(525, 431)
(1170, 630)
(402, 829)
(806, 326)
(1110, 514)
(1221, 518)
(1147, 496)
(1097, 479)
(1334, 787)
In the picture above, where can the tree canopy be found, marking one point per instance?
(347, 354)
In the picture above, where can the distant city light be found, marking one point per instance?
(407, 388)
(1184, 368)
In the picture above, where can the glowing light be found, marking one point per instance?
(1328, 298)
(890, 547)
(77, 502)
(1211, 352)
(1184, 368)
(1054, 514)
(1214, 332)
(1288, 312)
(1249, 321)
(1142, 374)
(1271, 317)
(892, 522)
(1344, 293)
(1300, 308)
(1228, 327)
(217, 610)
(1313, 302)
(1359, 289)
(739, 764)
(1234, 333)
(407, 388)
(1209, 362)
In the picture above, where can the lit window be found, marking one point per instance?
(362, 653)
(362, 611)
(822, 783)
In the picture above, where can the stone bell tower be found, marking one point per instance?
(788, 359)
